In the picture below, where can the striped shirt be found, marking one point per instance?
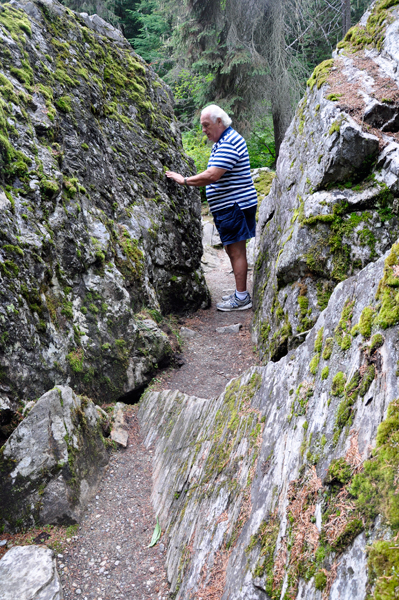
(235, 185)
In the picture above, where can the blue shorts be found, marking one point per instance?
(234, 224)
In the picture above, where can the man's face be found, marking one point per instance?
(212, 130)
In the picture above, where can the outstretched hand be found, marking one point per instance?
(175, 176)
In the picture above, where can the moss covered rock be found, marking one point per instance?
(286, 484)
(91, 232)
(333, 204)
(51, 464)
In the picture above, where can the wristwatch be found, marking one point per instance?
(185, 181)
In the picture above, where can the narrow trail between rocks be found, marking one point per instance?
(109, 557)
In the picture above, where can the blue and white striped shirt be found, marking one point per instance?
(236, 185)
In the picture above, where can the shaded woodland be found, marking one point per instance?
(253, 58)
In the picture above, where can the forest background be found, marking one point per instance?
(252, 57)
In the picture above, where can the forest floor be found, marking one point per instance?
(107, 557)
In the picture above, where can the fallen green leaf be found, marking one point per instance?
(156, 535)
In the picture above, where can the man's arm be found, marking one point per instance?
(205, 178)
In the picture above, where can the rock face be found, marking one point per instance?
(286, 485)
(51, 464)
(92, 235)
(333, 205)
(29, 573)
(275, 488)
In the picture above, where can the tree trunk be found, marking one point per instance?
(346, 16)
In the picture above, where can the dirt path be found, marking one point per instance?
(211, 358)
(107, 556)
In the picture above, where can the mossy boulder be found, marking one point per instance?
(51, 464)
(332, 208)
(91, 231)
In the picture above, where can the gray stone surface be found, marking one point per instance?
(210, 235)
(188, 334)
(332, 208)
(52, 462)
(235, 328)
(29, 573)
(225, 468)
(91, 230)
(119, 432)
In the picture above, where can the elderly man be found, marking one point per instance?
(231, 196)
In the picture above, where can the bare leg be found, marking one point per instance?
(237, 253)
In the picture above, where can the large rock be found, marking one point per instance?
(29, 573)
(286, 484)
(52, 463)
(92, 234)
(332, 208)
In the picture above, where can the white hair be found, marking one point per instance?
(215, 112)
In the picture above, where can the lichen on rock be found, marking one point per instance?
(333, 205)
(317, 499)
(91, 232)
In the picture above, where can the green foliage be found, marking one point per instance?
(152, 26)
(196, 145)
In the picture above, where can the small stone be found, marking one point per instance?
(3, 543)
(229, 328)
(188, 334)
(151, 570)
(117, 562)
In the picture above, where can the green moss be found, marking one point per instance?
(320, 74)
(388, 314)
(328, 347)
(13, 249)
(325, 372)
(49, 188)
(24, 75)
(366, 321)
(132, 266)
(318, 343)
(351, 531)
(383, 569)
(320, 580)
(376, 342)
(305, 322)
(333, 97)
(338, 384)
(64, 104)
(266, 539)
(336, 126)
(372, 34)
(75, 359)
(375, 489)
(342, 335)
(314, 363)
(263, 183)
(70, 186)
(367, 380)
